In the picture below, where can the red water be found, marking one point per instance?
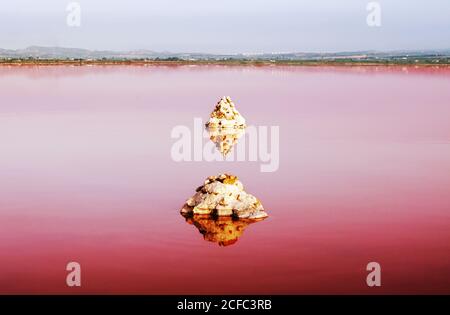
(86, 175)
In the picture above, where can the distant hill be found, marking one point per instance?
(62, 53)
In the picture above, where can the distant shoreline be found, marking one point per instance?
(234, 62)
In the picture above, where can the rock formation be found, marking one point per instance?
(225, 115)
(224, 195)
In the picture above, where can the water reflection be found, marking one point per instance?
(225, 138)
(226, 125)
(224, 231)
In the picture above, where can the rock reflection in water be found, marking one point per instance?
(225, 138)
(225, 125)
(222, 230)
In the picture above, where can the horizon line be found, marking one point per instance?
(235, 53)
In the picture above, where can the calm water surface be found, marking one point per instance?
(86, 175)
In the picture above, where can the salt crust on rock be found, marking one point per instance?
(224, 195)
(225, 115)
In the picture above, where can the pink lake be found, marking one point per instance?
(86, 175)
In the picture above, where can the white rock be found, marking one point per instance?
(224, 195)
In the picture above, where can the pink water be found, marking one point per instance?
(86, 175)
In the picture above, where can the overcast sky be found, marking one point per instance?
(220, 26)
